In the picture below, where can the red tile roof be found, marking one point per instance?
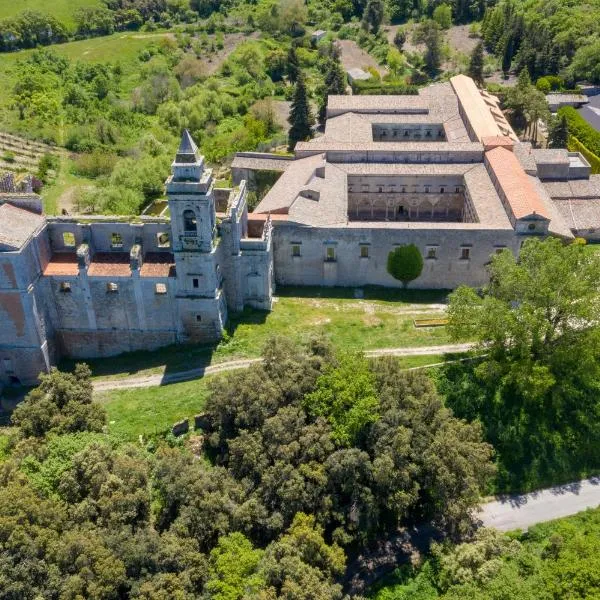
(516, 187)
(158, 264)
(62, 264)
(110, 264)
(496, 141)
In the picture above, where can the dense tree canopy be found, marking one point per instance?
(536, 389)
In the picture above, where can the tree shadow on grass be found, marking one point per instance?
(369, 292)
(170, 359)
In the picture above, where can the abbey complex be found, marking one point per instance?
(442, 170)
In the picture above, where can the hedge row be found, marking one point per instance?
(381, 87)
(576, 146)
(581, 129)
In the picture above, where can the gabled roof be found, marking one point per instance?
(515, 186)
(17, 226)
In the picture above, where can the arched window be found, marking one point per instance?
(189, 221)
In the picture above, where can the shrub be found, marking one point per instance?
(581, 129)
(9, 156)
(405, 263)
(94, 164)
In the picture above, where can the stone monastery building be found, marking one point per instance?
(442, 170)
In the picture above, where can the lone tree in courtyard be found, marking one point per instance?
(301, 119)
(405, 263)
(476, 64)
(559, 132)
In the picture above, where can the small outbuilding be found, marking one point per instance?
(357, 75)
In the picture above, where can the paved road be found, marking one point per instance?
(102, 385)
(520, 512)
(591, 112)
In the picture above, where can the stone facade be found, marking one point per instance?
(101, 286)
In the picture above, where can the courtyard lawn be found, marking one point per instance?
(382, 319)
(153, 410)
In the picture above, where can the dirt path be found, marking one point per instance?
(101, 385)
(354, 57)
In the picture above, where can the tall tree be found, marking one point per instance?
(301, 119)
(433, 48)
(334, 83)
(293, 65)
(536, 388)
(476, 64)
(373, 16)
(558, 136)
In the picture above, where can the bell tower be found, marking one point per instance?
(191, 201)
(202, 306)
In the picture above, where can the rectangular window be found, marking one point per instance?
(499, 249)
(116, 240)
(65, 286)
(296, 250)
(431, 252)
(160, 289)
(69, 239)
(196, 283)
(198, 318)
(330, 254)
(163, 240)
(112, 288)
(364, 251)
(465, 253)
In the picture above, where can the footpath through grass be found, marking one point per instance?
(149, 411)
(382, 319)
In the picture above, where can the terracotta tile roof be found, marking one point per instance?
(496, 141)
(62, 264)
(110, 264)
(392, 103)
(479, 113)
(520, 195)
(158, 264)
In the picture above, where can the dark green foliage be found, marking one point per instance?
(545, 37)
(371, 87)
(62, 403)
(304, 432)
(301, 120)
(476, 64)
(399, 39)
(405, 263)
(553, 560)
(334, 83)
(373, 16)
(536, 390)
(30, 29)
(293, 65)
(431, 36)
(581, 129)
(558, 135)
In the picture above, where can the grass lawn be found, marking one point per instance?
(146, 411)
(382, 319)
(66, 185)
(63, 10)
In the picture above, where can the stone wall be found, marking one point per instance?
(353, 266)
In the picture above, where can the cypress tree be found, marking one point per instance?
(476, 64)
(300, 119)
(559, 132)
(293, 65)
(334, 83)
(373, 16)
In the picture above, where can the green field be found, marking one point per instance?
(63, 10)
(383, 319)
(148, 411)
